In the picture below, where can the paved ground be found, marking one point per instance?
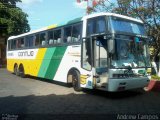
(30, 96)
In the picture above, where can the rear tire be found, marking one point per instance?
(21, 71)
(76, 81)
(16, 71)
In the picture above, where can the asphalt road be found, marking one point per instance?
(34, 97)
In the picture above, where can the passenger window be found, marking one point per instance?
(20, 43)
(9, 45)
(43, 38)
(57, 36)
(77, 31)
(27, 42)
(13, 44)
(67, 34)
(50, 37)
(31, 40)
(36, 40)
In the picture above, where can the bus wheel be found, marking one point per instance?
(21, 71)
(76, 81)
(16, 71)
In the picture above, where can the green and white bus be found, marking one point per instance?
(103, 51)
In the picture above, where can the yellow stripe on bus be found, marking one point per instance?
(52, 26)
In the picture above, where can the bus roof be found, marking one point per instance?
(76, 21)
(47, 28)
(111, 14)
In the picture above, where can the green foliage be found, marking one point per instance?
(13, 20)
(155, 77)
(102, 6)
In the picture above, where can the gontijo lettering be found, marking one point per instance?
(26, 53)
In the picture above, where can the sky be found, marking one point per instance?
(42, 13)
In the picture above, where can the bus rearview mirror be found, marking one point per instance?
(111, 46)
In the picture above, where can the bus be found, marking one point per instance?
(104, 51)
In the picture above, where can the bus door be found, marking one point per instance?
(100, 61)
(87, 64)
(94, 60)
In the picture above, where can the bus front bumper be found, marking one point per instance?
(127, 83)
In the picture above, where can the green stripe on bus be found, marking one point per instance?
(46, 61)
(55, 62)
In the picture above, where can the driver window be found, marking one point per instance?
(101, 53)
(86, 59)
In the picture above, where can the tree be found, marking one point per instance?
(13, 20)
(100, 6)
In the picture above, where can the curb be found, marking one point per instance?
(153, 85)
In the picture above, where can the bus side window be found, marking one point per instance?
(27, 41)
(57, 36)
(13, 44)
(50, 37)
(18, 44)
(9, 44)
(21, 43)
(76, 32)
(43, 38)
(67, 34)
(31, 41)
(36, 40)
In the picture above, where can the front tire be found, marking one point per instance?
(76, 81)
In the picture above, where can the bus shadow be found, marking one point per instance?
(77, 104)
(100, 93)
(116, 95)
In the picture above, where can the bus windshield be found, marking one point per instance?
(122, 25)
(130, 51)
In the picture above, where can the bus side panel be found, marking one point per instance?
(31, 64)
(51, 62)
(34, 65)
(46, 62)
(10, 65)
(71, 59)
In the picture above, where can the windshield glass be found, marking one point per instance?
(131, 51)
(122, 25)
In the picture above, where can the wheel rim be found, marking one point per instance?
(75, 81)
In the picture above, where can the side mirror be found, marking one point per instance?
(111, 46)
